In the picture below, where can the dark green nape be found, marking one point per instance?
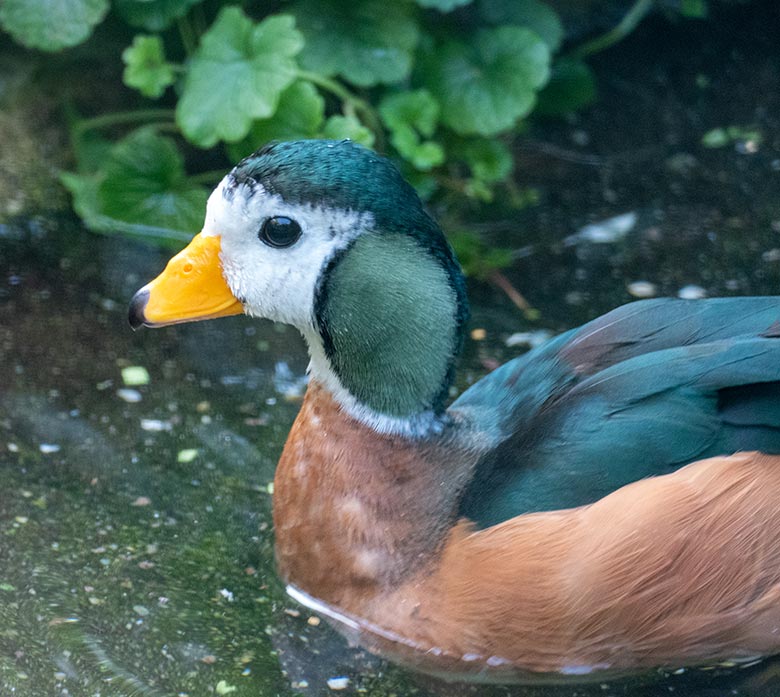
(391, 324)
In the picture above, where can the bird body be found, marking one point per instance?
(669, 571)
(605, 503)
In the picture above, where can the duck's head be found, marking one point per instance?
(328, 237)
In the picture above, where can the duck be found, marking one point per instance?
(607, 503)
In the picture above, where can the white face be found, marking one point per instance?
(280, 283)
(277, 283)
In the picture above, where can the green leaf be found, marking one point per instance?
(340, 127)
(90, 149)
(485, 86)
(152, 15)
(535, 15)
(237, 75)
(424, 183)
(141, 189)
(417, 109)
(488, 159)
(696, 9)
(409, 115)
(367, 42)
(572, 86)
(476, 257)
(51, 24)
(424, 156)
(443, 5)
(720, 137)
(716, 138)
(146, 69)
(299, 115)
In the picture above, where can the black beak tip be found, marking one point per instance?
(136, 315)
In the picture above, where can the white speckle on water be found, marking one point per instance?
(576, 670)
(605, 231)
(187, 455)
(530, 339)
(128, 395)
(156, 425)
(691, 292)
(48, 448)
(286, 383)
(642, 289)
(338, 683)
(496, 661)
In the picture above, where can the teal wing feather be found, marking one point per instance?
(642, 390)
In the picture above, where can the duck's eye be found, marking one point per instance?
(279, 231)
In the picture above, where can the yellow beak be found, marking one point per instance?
(190, 288)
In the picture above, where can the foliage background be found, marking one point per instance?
(441, 86)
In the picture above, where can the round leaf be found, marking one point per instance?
(153, 16)
(237, 75)
(485, 86)
(477, 258)
(140, 189)
(146, 69)
(443, 5)
(488, 159)
(364, 42)
(407, 115)
(532, 14)
(299, 115)
(51, 24)
(341, 127)
(417, 109)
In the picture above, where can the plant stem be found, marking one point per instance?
(122, 117)
(617, 33)
(517, 298)
(198, 20)
(349, 99)
(188, 36)
(167, 127)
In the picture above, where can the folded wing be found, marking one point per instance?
(642, 390)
